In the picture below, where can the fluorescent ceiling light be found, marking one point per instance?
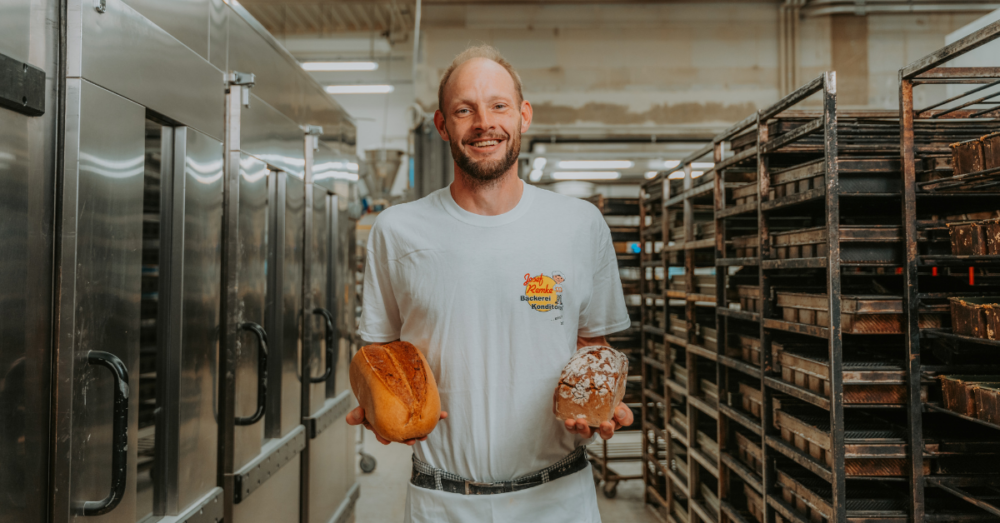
(341, 175)
(663, 164)
(676, 175)
(535, 175)
(359, 89)
(340, 66)
(596, 164)
(702, 165)
(586, 175)
(651, 174)
(695, 174)
(539, 163)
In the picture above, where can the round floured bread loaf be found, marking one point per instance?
(394, 384)
(591, 385)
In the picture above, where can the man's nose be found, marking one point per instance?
(485, 120)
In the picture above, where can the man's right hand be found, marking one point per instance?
(357, 417)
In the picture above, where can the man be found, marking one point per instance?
(459, 275)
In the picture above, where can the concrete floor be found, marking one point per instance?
(393, 472)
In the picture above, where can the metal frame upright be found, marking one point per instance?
(932, 192)
(687, 451)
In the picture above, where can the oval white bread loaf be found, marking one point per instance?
(394, 384)
(591, 385)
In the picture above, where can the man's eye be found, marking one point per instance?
(463, 111)
(500, 106)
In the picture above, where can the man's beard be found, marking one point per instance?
(486, 173)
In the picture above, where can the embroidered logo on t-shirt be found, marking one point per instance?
(544, 293)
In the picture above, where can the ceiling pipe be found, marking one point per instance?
(814, 8)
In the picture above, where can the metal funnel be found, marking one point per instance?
(383, 166)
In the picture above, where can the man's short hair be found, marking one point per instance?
(479, 51)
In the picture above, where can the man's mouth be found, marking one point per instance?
(485, 143)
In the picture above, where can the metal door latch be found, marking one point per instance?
(244, 81)
(313, 132)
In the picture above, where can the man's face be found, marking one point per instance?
(483, 119)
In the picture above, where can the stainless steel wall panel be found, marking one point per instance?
(271, 136)
(253, 49)
(27, 153)
(185, 20)
(328, 481)
(126, 53)
(15, 29)
(252, 287)
(218, 34)
(279, 77)
(284, 299)
(108, 232)
(320, 291)
(277, 500)
(198, 429)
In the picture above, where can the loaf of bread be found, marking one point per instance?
(395, 386)
(592, 385)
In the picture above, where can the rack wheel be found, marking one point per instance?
(610, 490)
(368, 463)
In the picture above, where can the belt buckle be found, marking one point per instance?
(470, 485)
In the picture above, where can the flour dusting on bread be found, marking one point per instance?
(592, 384)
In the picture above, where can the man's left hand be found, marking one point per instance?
(622, 418)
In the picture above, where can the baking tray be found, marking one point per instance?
(858, 175)
(679, 420)
(708, 445)
(988, 402)
(858, 244)
(749, 298)
(709, 390)
(868, 379)
(977, 238)
(746, 348)
(744, 194)
(958, 391)
(991, 151)
(749, 453)
(967, 157)
(745, 246)
(869, 440)
(861, 314)
(752, 400)
(709, 337)
(711, 500)
(978, 317)
(755, 503)
(679, 462)
(811, 497)
(678, 326)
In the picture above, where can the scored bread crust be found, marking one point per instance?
(591, 385)
(395, 386)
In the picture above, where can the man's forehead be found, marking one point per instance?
(479, 77)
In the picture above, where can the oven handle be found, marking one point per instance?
(331, 353)
(119, 442)
(261, 373)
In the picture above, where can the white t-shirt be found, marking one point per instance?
(496, 304)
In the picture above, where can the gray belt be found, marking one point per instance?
(426, 476)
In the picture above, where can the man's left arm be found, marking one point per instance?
(623, 416)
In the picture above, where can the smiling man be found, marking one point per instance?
(465, 275)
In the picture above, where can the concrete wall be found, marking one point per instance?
(673, 69)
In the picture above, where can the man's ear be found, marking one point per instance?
(526, 115)
(439, 124)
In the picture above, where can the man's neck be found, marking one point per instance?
(490, 200)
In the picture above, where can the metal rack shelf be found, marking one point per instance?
(937, 193)
(679, 344)
(623, 215)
